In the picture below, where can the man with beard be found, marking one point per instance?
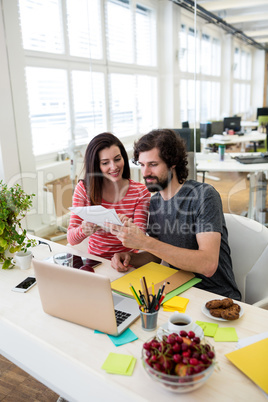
(186, 225)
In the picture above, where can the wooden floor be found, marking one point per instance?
(17, 386)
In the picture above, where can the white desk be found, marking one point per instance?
(68, 358)
(211, 163)
(253, 136)
(250, 124)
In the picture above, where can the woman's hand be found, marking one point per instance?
(89, 228)
(123, 218)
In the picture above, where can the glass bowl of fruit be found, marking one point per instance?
(179, 362)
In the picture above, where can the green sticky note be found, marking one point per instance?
(209, 328)
(119, 364)
(226, 335)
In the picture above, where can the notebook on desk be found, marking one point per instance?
(83, 298)
(156, 273)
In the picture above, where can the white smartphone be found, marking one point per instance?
(25, 285)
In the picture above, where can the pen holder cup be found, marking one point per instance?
(148, 320)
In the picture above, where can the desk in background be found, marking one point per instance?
(257, 194)
(249, 124)
(210, 163)
(67, 357)
(253, 136)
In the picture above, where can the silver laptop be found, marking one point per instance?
(83, 298)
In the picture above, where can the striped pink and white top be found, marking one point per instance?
(135, 205)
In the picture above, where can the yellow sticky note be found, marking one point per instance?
(117, 363)
(252, 360)
(176, 303)
(226, 335)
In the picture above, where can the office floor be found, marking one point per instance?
(18, 386)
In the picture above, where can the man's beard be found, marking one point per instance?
(159, 185)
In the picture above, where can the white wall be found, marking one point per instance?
(9, 159)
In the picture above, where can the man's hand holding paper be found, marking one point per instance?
(130, 234)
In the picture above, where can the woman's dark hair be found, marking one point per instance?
(93, 179)
(172, 150)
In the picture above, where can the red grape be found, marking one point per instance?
(211, 354)
(177, 358)
(191, 334)
(176, 347)
(193, 361)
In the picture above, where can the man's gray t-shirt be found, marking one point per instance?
(196, 208)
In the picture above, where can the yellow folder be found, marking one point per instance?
(252, 361)
(153, 273)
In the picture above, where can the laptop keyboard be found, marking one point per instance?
(120, 316)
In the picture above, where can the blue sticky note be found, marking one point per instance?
(126, 337)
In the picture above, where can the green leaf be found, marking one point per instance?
(7, 264)
(14, 249)
(3, 242)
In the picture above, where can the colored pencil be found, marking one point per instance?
(136, 294)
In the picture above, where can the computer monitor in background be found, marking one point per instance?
(262, 111)
(232, 123)
(187, 134)
(216, 127)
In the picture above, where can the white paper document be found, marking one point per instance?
(251, 339)
(97, 214)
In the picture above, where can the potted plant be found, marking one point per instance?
(14, 204)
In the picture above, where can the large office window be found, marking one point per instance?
(206, 63)
(242, 81)
(88, 69)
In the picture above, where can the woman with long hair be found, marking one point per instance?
(107, 182)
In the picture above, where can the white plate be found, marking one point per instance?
(207, 313)
(163, 330)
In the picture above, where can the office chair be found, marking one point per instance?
(248, 241)
(263, 121)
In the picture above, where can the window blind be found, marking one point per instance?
(84, 28)
(119, 31)
(49, 109)
(88, 104)
(41, 25)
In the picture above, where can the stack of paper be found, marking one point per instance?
(176, 303)
(97, 214)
